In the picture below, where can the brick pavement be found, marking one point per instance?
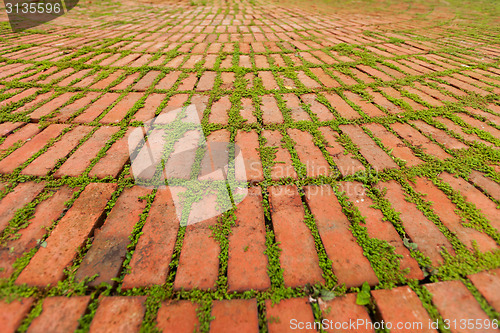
(372, 161)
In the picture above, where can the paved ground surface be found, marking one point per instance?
(373, 137)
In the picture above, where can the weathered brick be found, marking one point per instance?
(393, 93)
(420, 230)
(485, 183)
(248, 143)
(343, 310)
(382, 101)
(298, 258)
(459, 130)
(121, 109)
(60, 314)
(349, 264)
(445, 209)
(271, 114)
(287, 314)
(475, 196)
(368, 148)
(320, 110)
(247, 263)
(66, 112)
(109, 247)
(229, 314)
(479, 124)
(46, 162)
(12, 314)
(307, 81)
(177, 316)
(418, 140)
(346, 164)
(297, 113)
(152, 255)
(375, 73)
(248, 110)
(487, 283)
(196, 270)
(455, 302)
(22, 154)
(8, 127)
(21, 135)
(151, 104)
(283, 166)
(207, 81)
(390, 141)
(309, 154)
(47, 265)
(439, 135)
(81, 158)
(97, 107)
(341, 106)
(18, 96)
(119, 314)
(220, 110)
(368, 108)
(104, 83)
(378, 227)
(268, 80)
(410, 314)
(45, 214)
(168, 81)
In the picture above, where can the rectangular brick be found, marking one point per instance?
(368, 148)
(51, 106)
(283, 162)
(418, 140)
(109, 247)
(309, 154)
(248, 144)
(349, 263)
(420, 230)
(13, 313)
(378, 227)
(455, 303)
(280, 315)
(196, 270)
(119, 314)
(445, 209)
(475, 196)
(76, 164)
(488, 282)
(298, 256)
(45, 213)
(410, 311)
(247, 263)
(48, 264)
(97, 107)
(341, 106)
(241, 313)
(46, 162)
(271, 114)
(22, 154)
(342, 310)
(150, 264)
(20, 136)
(60, 314)
(346, 164)
(366, 107)
(177, 316)
(320, 110)
(121, 109)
